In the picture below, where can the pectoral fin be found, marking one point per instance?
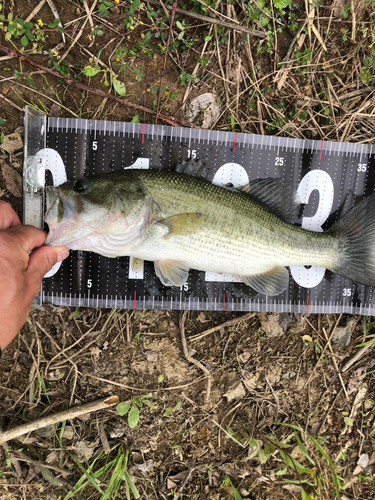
(272, 282)
(171, 272)
(182, 224)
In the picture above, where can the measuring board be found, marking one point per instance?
(330, 178)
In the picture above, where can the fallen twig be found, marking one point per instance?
(71, 413)
(334, 362)
(223, 325)
(190, 358)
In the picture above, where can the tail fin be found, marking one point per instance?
(356, 234)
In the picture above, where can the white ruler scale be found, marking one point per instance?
(330, 178)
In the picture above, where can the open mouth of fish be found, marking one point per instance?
(63, 208)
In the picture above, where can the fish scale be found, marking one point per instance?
(330, 178)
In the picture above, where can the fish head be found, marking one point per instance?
(83, 212)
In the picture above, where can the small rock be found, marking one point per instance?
(151, 356)
(343, 334)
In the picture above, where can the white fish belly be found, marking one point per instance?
(213, 251)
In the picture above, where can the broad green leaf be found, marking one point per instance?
(24, 40)
(135, 119)
(90, 71)
(123, 408)
(119, 87)
(281, 4)
(133, 416)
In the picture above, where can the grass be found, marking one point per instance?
(320, 477)
(113, 474)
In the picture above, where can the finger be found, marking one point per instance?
(8, 217)
(28, 237)
(42, 260)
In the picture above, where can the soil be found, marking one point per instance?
(229, 412)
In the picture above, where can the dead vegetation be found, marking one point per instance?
(215, 405)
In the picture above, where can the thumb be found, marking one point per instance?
(42, 260)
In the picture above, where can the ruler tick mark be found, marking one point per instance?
(321, 149)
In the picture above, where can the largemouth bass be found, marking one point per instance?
(181, 221)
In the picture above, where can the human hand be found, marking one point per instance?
(21, 274)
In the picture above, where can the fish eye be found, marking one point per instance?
(80, 186)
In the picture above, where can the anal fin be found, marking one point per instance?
(171, 272)
(271, 282)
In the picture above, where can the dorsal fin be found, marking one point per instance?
(281, 198)
(192, 167)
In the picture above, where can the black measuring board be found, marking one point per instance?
(330, 178)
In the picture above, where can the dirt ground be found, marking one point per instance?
(258, 406)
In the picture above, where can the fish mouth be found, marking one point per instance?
(62, 219)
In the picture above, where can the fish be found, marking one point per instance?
(180, 220)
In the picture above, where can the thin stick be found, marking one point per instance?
(144, 389)
(212, 20)
(223, 325)
(71, 413)
(190, 358)
(35, 11)
(334, 362)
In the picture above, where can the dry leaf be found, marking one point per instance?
(244, 356)
(274, 374)
(12, 179)
(233, 470)
(251, 381)
(12, 142)
(361, 464)
(207, 104)
(83, 451)
(236, 392)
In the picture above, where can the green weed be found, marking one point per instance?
(131, 408)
